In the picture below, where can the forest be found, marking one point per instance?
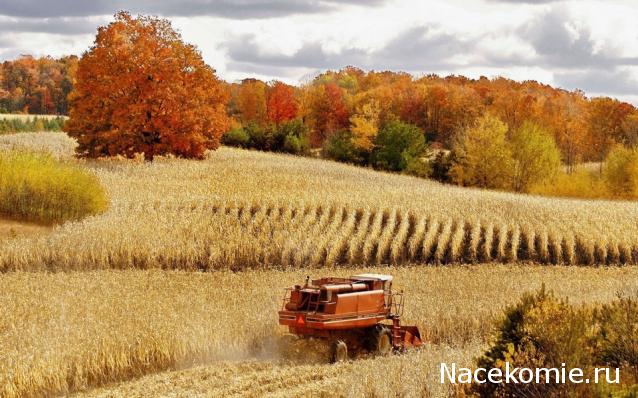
(421, 125)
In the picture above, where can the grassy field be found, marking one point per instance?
(127, 303)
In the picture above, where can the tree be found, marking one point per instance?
(365, 126)
(251, 101)
(606, 119)
(535, 154)
(281, 105)
(484, 157)
(328, 112)
(397, 145)
(140, 89)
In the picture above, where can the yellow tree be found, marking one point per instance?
(484, 155)
(365, 125)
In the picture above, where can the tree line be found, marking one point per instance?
(141, 89)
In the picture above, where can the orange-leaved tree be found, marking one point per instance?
(282, 105)
(141, 89)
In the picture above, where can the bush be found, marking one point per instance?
(580, 184)
(621, 173)
(259, 137)
(36, 187)
(292, 137)
(539, 331)
(397, 144)
(236, 137)
(340, 146)
(418, 167)
(617, 337)
(441, 165)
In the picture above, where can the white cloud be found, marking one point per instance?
(586, 44)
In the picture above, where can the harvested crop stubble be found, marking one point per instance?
(412, 375)
(240, 209)
(101, 326)
(67, 331)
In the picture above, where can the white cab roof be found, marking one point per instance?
(380, 277)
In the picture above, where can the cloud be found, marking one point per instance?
(559, 43)
(619, 82)
(416, 49)
(533, 2)
(65, 26)
(235, 9)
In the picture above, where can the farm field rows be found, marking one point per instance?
(128, 309)
(241, 209)
(75, 330)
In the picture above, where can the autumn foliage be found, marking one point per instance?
(140, 89)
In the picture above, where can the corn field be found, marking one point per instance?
(241, 209)
(70, 331)
(134, 312)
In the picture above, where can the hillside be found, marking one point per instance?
(240, 209)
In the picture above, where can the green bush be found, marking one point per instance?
(36, 187)
(396, 145)
(292, 137)
(236, 137)
(340, 147)
(260, 137)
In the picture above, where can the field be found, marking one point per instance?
(241, 209)
(125, 301)
(71, 330)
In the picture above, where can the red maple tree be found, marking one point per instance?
(141, 89)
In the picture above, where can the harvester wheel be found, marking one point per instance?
(381, 342)
(338, 351)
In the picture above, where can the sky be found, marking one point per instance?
(587, 45)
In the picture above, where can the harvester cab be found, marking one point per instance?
(351, 313)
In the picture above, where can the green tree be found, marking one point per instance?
(536, 156)
(621, 172)
(398, 145)
(484, 157)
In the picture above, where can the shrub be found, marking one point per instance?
(292, 137)
(340, 146)
(581, 184)
(418, 167)
(538, 331)
(36, 187)
(396, 145)
(441, 165)
(236, 137)
(621, 172)
(259, 137)
(617, 337)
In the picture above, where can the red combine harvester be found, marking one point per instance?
(350, 313)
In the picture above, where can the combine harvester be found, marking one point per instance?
(349, 313)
